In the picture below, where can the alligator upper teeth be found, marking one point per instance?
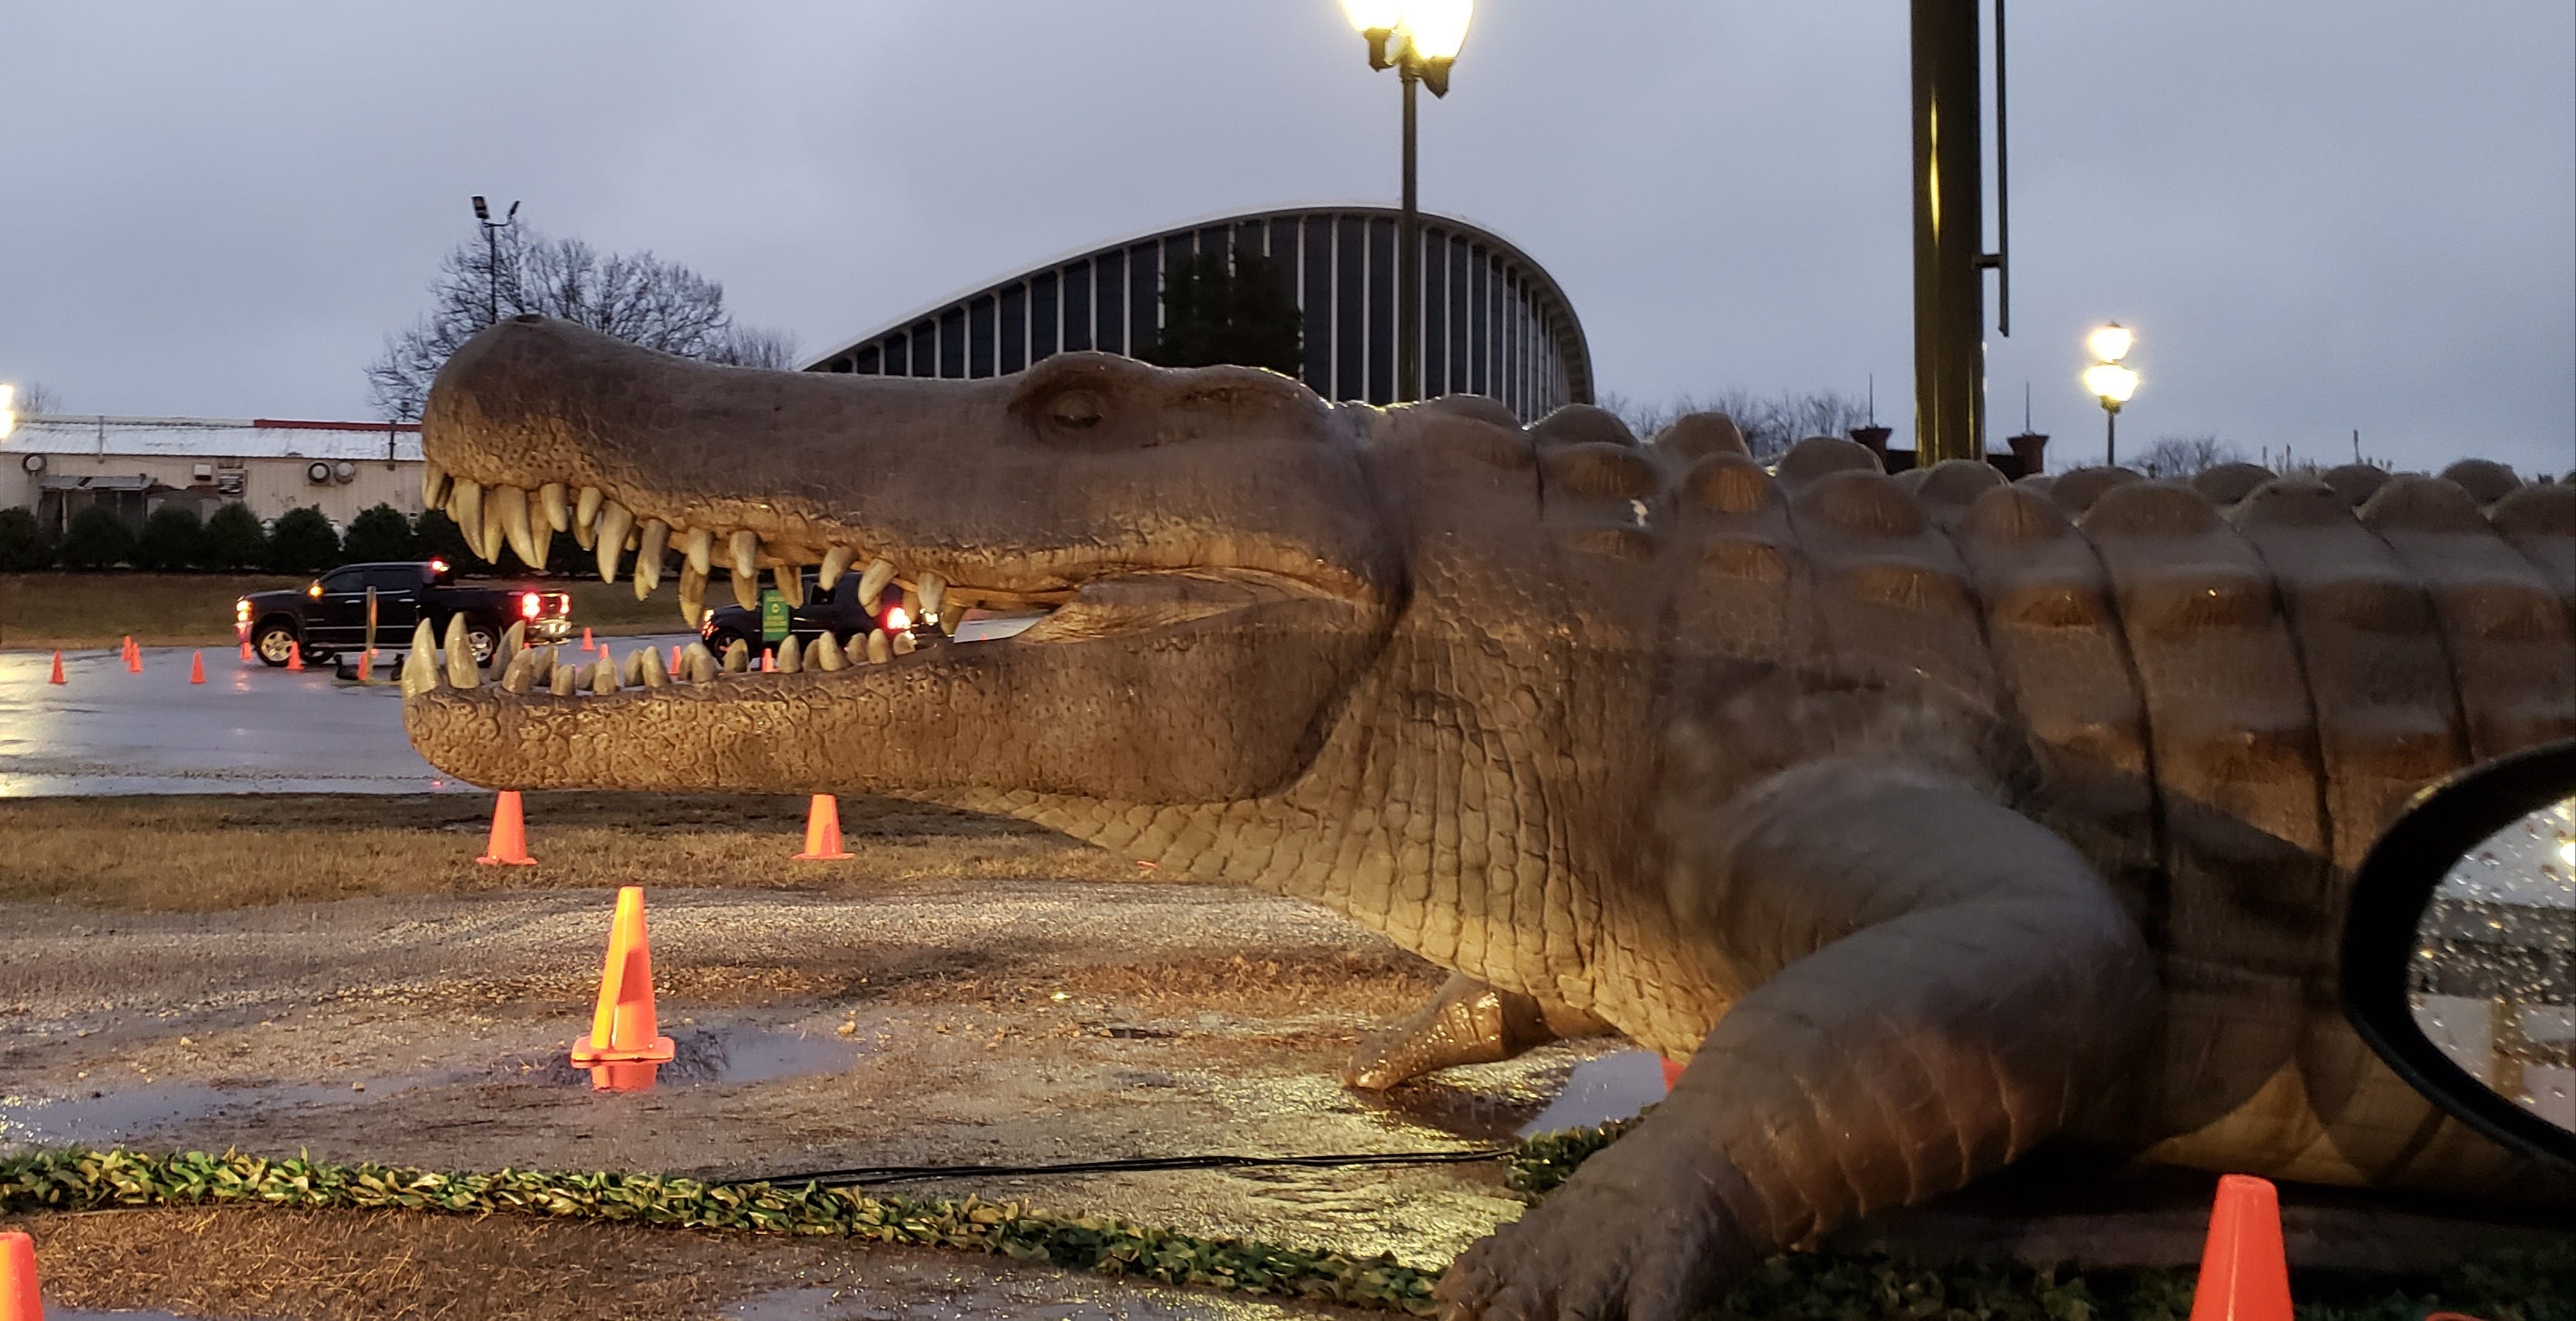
(557, 507)
(465, 505)
(648, 556)
(585, 515)
(934, 590)
(510, 504)
(872, 584)
(693, 593)
(700, 547)
(433, 485)
(791, 584)
(614, 523)
(836, 562)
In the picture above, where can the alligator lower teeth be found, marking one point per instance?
(461, 670)
(827, 655)
(566, 680)
(880, 647)
(737, 657)
(698, 663)
(791, 657)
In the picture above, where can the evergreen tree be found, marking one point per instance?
(302, 542)
(173, 540)
(1237, 312)
(435, 536)
(381, 533)
(23, 548)
(97, 539)
(233, 540)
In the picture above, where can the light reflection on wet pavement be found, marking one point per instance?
(109, 1114)
(247, 729)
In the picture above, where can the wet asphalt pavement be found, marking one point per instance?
(247, 729)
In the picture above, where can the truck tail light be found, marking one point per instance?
(530, 605)
(897, 619)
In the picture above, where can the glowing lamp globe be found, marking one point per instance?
(1374, 15)
(2110, 343)
(1438, 27)
(2110, 382)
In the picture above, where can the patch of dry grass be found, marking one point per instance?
(99, 609)
(339, 1266)
(75, 610)
(210, 852)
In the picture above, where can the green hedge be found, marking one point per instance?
(1792, 1287)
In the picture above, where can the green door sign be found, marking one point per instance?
(773, 615)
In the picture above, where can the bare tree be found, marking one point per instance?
(2181, 456)
(754, 346)
(1771, 423)
(36, 400)
(636, 297)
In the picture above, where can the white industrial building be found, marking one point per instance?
(59, 465)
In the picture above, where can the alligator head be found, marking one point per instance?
(1205, 540)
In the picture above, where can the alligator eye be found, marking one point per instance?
(1075, 410)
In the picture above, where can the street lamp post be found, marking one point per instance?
(492, 259)
(2110, 382)
(1419, 39)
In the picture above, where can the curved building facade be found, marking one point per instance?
(1494, 322)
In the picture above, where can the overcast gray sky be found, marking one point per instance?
(2319, 216)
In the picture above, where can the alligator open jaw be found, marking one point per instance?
(1205, 541)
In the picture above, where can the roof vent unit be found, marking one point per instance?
(344, 472)
(205, 472)
(231, 481)
(317, 472)
(33, 463)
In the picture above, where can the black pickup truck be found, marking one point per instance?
(329, 614)
(837, 612)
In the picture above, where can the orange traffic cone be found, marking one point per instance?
(247, 658)
(197, 667)
(675, 660)
(58, 669)
(768, 661)
(1672, 1073)
(623, 1030)
(2244, 1274)
(295, 656)
(18, 1300)
(823, 832)
(133, 657)
(586, 643)
(509, 845)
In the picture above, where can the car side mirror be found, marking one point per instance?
(2459, 956)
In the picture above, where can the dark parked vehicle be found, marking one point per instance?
(330, 614)
(836, 612)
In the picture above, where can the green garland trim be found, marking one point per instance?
(78, 1179)
(1792, 1287)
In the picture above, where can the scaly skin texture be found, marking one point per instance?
(1927, 818)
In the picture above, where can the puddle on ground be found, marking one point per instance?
(105, 1118)
(704, 1056)
(1603, 1090)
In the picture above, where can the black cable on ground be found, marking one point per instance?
(886, 1174)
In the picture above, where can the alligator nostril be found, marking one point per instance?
(1076, 409)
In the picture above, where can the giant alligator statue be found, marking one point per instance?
(1929, 818)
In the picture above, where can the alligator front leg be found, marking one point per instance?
(1936, 984)
(1465, 1022)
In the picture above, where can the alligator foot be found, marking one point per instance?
(1636, 1236)
(1466, 1022)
